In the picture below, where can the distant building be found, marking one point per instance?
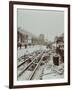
(35, 41)
(41, 39)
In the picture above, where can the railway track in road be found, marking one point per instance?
(31, 66)
(29, 58)
(35, 69)
(32, 61)
(25, 58)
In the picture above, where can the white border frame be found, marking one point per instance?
(33, 82)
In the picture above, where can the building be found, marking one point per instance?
(26, 38)
(23, 37)
(60, 46)
(41, 39)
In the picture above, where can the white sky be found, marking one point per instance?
(50, 23)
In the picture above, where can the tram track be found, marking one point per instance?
(38, 57)
(25, 61)
(35, 69)
(28, 71)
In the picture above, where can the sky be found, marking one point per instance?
(47, 22)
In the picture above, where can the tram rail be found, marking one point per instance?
(38, 56)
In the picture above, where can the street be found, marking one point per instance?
(36, 63)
